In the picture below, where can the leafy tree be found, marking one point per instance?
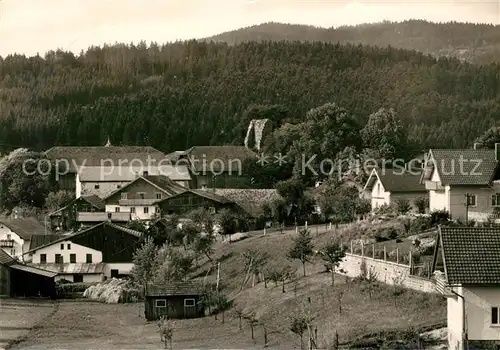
(204, 245)
(384, 135)
(332, 255)
(59, 199)
(222, 303)
(342, 202)
(228, 221)
(24, 179)
(299, 204)
(489, 138)
(302, 248)
(145, 263)
(298, 327)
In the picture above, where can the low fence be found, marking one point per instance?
(387, 272)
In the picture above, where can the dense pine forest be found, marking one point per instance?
(198, 93)
(476, 43)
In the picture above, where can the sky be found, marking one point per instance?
(37, 26)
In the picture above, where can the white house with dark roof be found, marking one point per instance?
(387, 186)
(102, 181)
(70, 160)
(16, 234)
(93, 254)
(467, 270)
(140, 197)
(452, 174)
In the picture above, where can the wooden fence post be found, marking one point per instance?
(397, 255)
(362, 248)
(373, 251)
(351, 248)
(385, 254)
(306, 225)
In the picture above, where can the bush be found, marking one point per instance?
(403, 206)
(428, 250)
(71, 290)
(439, 217)
(422, 203)
(421, 224)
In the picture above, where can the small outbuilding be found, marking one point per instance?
(173, 300)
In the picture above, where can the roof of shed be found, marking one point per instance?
(174, 289)
(251, 200)
(471, 255)
(6, 259)
(34, 270)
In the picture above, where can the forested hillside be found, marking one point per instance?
(478, 43)
(196, 93)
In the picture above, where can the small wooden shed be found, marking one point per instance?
(174, 300)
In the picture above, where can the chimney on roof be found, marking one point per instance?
(497, 152)
(477, 145)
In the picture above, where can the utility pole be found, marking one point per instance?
(467, 203)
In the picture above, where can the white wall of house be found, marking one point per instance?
(455, 321)
(439, 199)
(123, 268)
(18, 245)
(53, 249)
(139, 213)
(379, 195)
(478, 304)
(103, 190)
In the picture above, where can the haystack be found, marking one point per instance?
(112, 291)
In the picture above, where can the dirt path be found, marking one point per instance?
(19, 316)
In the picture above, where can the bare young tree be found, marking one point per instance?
(239, 313)
(254, 262)
(252, 321)
(166, 330)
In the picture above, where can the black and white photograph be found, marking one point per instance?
(249, 174)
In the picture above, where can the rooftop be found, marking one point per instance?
(25, 227)
(104, 155)
(462, 166)
(174, 289)
(396, 180)
(471, 255)
(219, 158)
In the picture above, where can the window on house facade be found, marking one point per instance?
(495, 200)
(132, 210)
(495, 317)
(77, 278)
(472, 200)
(117, 209)
(189, 302)
(9, 236)
(146, 210)
(68, 246)
(145, 173)
(157, 210)
(62, 246)
(72, 258)
(141, 195)
(378, 188)
(124, 195)
(158, 195)
(96, 186)
(59, 259)
(43, 258)
(118, 186)
(88, 259)
(161, 303)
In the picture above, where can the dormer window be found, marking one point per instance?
(124, 195)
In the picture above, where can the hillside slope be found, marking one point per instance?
(478, 43)
(178, 95)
